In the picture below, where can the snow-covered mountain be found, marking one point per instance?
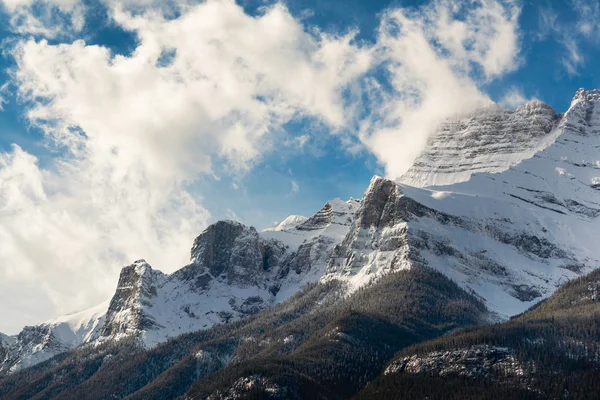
(517, 217)
(510, 237)
(235, 271)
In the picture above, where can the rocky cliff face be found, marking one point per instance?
(233, 253)
(473, 362)
(488, 140)
(137, 289)
(5, 344)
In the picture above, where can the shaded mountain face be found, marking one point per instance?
(466, 253)
(551, 351)
(5, 343)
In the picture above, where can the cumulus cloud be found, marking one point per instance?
(514, 98)
(68, 230)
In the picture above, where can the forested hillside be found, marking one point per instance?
(551, 351)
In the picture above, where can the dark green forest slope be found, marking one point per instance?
(551, 351)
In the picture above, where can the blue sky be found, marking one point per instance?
(139, 122)
(326, 173)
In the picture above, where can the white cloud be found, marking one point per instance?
(436, 57)
(588, 13)
(232, 216)
(551, 26)
(68, 230)
(3, 93)
(132, 132)
(572, 32)
(514, 98)
(573, 58)
(295, 187)
(47, 18)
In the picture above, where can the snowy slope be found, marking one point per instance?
(289, 223)
(511, 237)
(35, 344)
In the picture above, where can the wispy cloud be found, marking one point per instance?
(514, 98)
(572, 32)
(295, 187)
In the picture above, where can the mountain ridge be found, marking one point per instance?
(501, 236)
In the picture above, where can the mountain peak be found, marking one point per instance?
(488, 140)
(137, 285)
(586, 95)
(215, 249)
(583, 116)
(536, 106)
(290, 222)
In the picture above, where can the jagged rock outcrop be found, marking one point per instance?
(5, 344)
(473, 362)
(137, 288)
(233, 252)
(243, 387)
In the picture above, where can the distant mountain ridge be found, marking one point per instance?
(491, 139)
